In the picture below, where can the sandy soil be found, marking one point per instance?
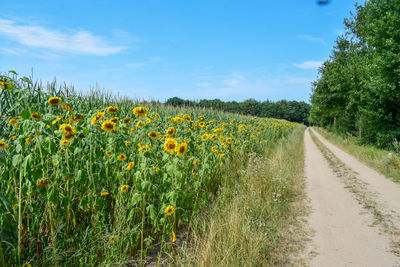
(344, 235)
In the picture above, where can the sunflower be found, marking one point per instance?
(196, 161)
(54, 101)
(140, 111)
(140, 124)
(104, 193)
(99, 115)
(43, 183)
(108, 153)
(115, 120)
(12, 121)
(126, 120)
(113, 238)
(36, 116)
(182, 148)
(153, 135)
(3, 145)
(156, 169)
(14, 137)
(186, 117)
(56, 120)
(68, 136)
(124, 188)
(169, 210)
(204, 137)
(130, 166)
(27, 264)
(202, 124)
(75, 118)
(112, 109)
(178, 120)
(171, 131)
(228, 140)
(67, 128)
(201, 117)
(122, 157)
(128, 143)
(108, 126)
(170, 145)
(28, 139)
(213, 137)
(65, 142)
(66, 107)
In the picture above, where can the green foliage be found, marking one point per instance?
(358, 90)
(288, 110)
(76, 193)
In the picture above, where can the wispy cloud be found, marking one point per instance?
(77, 41)
(14, 51)
(312, 38)
(308, 64)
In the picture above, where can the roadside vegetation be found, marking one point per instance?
(96, 179)
(256, 220)
(384, 161)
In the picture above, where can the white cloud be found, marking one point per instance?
(81, 42)
(312, 38)
(308, 64)
(14, 51)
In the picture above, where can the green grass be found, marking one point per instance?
(255, 219)
(386, 162)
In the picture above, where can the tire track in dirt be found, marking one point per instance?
(344, 232)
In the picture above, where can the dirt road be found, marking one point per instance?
(355, 211)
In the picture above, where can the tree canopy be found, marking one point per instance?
(358, 88)
(289, 110)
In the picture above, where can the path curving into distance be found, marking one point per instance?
(354, 210)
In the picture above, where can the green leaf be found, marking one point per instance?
(136, 198)
(27, 165)
(17, 160)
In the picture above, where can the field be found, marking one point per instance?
(95, 179)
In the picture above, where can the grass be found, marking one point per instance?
(386, 162)
(255, 219)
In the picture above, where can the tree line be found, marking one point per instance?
(358, 87)
(289, 110)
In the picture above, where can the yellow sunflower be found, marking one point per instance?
(12, 121)
(112, 109)
(122, 157)
(65, 142)
(140, 111)
(182, 149)
(128, 143)
(115, 120)
(196, 161)
(126, 120)
(169, 210)
(170, 145)
(43, 183)
(3, 145)
(171, 131)
(140, 124)
(204, 137)
(104, 193)
(108, 153)
(66, 107)
(124, 188)
(68, 136)
(153, 135)
(36, 116)
(113, 239)
(130, 166)
(54, 101)
(108, 126)
(99, 115)
(202, 124)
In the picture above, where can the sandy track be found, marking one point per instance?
(343, 235)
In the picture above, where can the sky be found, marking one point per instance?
(157, 49)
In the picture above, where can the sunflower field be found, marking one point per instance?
(93, 179)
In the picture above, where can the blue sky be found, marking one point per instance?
(226, 49)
